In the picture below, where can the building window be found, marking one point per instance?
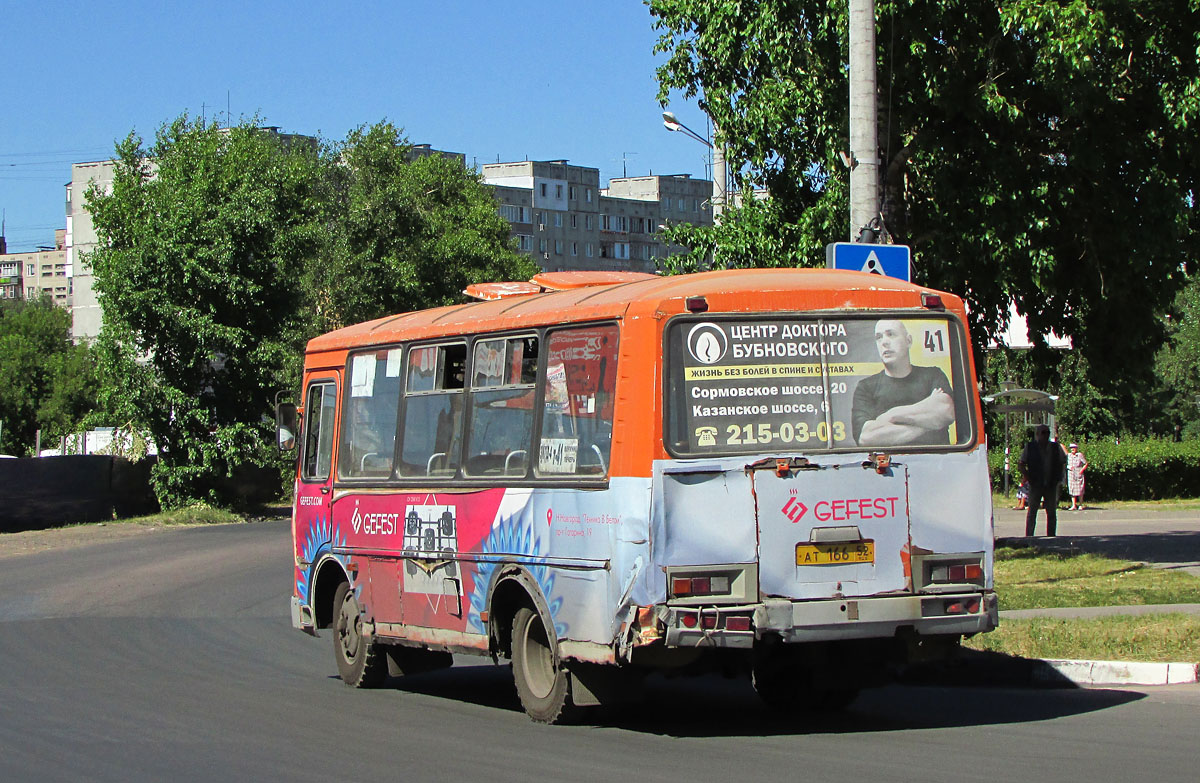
(666, 203)
(574, 248)
(542, 245)
(558, 220)
(589, 195)
(558, 247)
(514, 214)
(32, 270)
(679, 203)
(558, 191)
(571, 192)
(588, 249)
(574, 220)
(524, 242)
(543, 189)
(589, 222)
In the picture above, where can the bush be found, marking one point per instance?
(1134, 469)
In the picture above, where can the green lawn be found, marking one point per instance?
(1163, 638)
(1029, 579)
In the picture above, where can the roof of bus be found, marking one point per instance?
(725, 291)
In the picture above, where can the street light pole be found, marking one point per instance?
(864, 124)
(719, 174)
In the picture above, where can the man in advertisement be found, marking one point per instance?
(904, 404)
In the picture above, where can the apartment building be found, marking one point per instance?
(32, 274)
(562, 218)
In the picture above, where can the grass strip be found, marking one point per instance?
(1030, 579)
(1154, 638)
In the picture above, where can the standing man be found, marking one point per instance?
(903, 404)
(1042, 464)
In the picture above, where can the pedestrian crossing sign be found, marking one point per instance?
(887, 260)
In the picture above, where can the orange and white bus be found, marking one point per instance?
(598, 475)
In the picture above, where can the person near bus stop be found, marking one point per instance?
(903, 404)
(1042, 464)
(1076, 465)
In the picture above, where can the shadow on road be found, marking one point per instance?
(1160, 548)
(713, 706)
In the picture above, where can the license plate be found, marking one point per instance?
(835, 554)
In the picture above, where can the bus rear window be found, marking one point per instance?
(750, 385)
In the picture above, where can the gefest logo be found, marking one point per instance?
(841, 509)
(379, 523)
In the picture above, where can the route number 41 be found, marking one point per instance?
(935, 342)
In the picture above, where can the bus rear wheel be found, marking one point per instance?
(542, 683)
(359, 660)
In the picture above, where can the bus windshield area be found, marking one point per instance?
(744, 385)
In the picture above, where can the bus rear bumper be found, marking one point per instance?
(876, 617)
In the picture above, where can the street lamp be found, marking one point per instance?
(672, 123)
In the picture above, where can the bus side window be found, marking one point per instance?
(433, 414)
(503, 373)
(318, 432)
(581, 372)
(369, 417)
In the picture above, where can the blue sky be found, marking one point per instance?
(536, 79)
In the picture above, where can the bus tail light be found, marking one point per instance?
(739, 623)
(685, 586)
(711, 618)
(696, 304)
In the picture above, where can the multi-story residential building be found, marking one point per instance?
(564, 220)
(32, 274)
(80, 240)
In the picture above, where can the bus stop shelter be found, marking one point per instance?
(1035, 406)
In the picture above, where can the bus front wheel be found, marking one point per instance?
(542, 682)
(359, 660)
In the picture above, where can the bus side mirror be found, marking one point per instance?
(286, 426)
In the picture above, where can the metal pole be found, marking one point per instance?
(720, 181)
(864, 128)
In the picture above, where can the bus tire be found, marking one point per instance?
(359, 661)
(542, 682)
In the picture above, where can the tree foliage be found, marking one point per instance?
(205, 237)
(409, 233)
(1039, 152)
(46, 382)
(223, 250)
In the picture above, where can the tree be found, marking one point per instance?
(204, 239)
(46, 382)
(1177, 363)
(410, 233)
(224, 250)
(1039, 152)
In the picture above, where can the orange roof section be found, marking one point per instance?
(555, 297)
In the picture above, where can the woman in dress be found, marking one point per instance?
(1076, 465)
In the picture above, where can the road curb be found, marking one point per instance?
(1113, 672)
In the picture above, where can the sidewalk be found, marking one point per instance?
(1166, 538)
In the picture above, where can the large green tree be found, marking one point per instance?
(223, 250)
(408, 232)
(1042, 152)
(46, 382)
(205, 236)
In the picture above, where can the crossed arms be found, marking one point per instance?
(909, 423)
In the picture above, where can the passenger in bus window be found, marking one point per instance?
(903, 404)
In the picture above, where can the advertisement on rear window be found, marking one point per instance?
(742, 386)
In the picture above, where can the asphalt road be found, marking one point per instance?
(170, 657)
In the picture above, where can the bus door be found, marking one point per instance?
(312, 523)
(828, 528)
